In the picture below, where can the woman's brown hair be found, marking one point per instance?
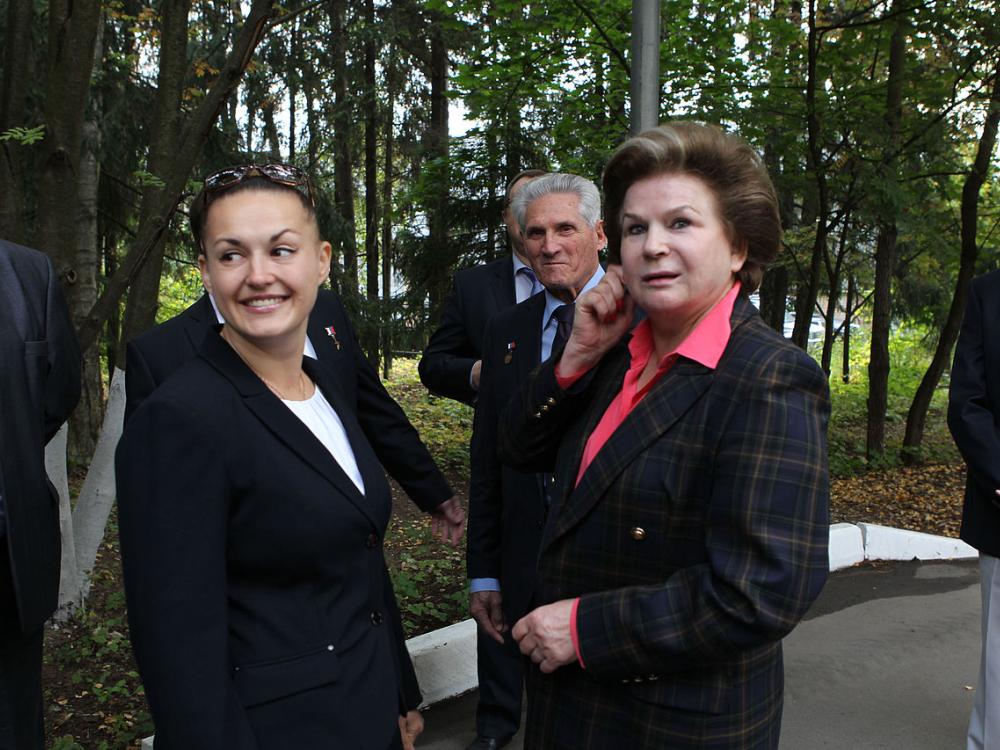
(748, 205)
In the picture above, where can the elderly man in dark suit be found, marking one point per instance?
(973, 416)
(450, 367)
(451, 362)
(563, 234)
(39, 386)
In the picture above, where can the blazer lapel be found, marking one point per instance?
(656, 414)
(323, 334)
(503, 290)
(289, 429)
(199, 318)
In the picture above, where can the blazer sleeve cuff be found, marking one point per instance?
(574, 634)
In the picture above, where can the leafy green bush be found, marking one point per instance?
(444, 425)
(910, 352)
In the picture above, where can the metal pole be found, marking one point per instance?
(644, 88)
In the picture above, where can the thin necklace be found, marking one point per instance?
(303, 381)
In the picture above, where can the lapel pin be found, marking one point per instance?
(510, 352)
(332, 333)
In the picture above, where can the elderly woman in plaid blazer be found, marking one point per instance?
(688, 528)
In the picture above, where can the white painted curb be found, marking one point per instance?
(847, 545)
(445, 659)
(886, 543)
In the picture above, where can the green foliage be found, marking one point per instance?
(23, 136)
(910, 351)
(444, 425)
(147, 179)
(180, 287)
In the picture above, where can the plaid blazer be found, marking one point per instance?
(696, 539)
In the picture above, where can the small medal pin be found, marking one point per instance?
(510, 352)
(332, 333)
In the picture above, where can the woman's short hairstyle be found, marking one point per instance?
(732, 170)
(559, 182)
(198, 213)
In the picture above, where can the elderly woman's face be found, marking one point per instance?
(263, 262)
(676, 257)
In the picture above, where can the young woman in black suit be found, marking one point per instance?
(252, 508)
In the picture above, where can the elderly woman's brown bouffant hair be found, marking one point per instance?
(729, 167)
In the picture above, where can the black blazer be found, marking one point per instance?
(39, 387)
(154, 356)
(506, 506)
(974, 413)
(253, 566)
(478, 294)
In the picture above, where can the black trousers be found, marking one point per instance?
(501, 686)
(21, 722)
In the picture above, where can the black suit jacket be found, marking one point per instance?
(253, 566)
(506, 506)
(974, 413)
(39, 387)
(477, 295)
(154, 356)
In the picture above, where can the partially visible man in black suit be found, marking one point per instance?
(450, 364)
(974, 416)
(39, 387)
(559, 216)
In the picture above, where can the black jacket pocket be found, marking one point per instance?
(267, 681)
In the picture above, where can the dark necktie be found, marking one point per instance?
(564, 325)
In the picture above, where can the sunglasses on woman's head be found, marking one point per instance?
(281, 174)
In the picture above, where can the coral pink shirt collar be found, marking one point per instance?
(705, 345)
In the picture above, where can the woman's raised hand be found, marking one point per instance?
(603, 315)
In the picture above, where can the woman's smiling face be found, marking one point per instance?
(262, 260)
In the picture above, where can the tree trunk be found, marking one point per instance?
(55, 469)
(852, 294)
(271, 130)
(916, 418)
(93, 505)
(371, 180)
(773, 293)
(85, 422)
(809, 287)
(17, 57)
(437, 147)
(196, 130)
(143, 296)
(295, 49)
(343, 167)
(885, 246)
(387, 179)
(835, 279)
(72, 33)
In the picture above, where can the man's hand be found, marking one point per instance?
(477, 368)
(448, 521)
(485, 607)
(544, 635)
(603, 315)
(410, 727)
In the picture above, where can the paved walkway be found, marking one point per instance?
(886, 660)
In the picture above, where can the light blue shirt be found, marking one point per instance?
(548, 336)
